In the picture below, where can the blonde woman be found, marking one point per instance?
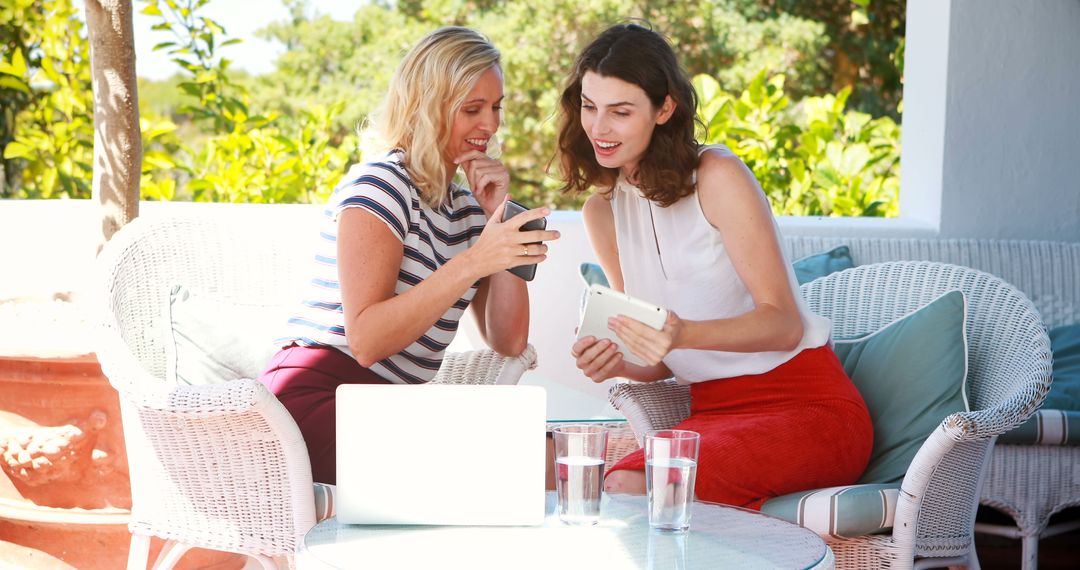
(404, 250)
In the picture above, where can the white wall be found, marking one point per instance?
(992, 118)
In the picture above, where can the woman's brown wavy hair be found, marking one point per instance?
(637, 55)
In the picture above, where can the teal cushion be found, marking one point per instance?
(854, 510)
(911, 375)
(209, 339)
(821, 264)
(1046, 427)
(592, 273)
(1065, 390)
(1058, 422)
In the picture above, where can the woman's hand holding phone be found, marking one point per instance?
(510, 210)
(507, 244)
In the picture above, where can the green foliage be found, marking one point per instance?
(330, 61)
(813, 158)
(787, 105)
(246, 156)
(866, 43)
(47, 129)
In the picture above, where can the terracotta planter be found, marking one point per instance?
(64, 491)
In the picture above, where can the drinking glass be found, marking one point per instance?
(671, 457)
(579, 472)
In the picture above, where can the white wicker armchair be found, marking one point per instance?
(1029, 482)
(1008, 377)
(220, 466)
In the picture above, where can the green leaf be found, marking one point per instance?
(157, 159)
(10, 82)
(826, 177)
(18, 63)
(16, 149)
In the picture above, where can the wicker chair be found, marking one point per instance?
(1030, 482)
(220, 466)
(1008, 377)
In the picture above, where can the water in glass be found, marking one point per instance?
(579, 481)
(670, 482)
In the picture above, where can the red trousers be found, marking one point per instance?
(800, 426)
(305, 380)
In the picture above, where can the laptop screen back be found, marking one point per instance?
(440, 454)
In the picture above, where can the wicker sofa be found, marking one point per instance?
(1028, 482)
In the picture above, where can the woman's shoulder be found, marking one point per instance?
(715, 158)
(386, 174)
(599, 203)
(392, 163)
(727, 188)
(720, 168)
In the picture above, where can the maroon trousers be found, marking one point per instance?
(305, 380)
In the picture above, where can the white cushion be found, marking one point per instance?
(209, 339)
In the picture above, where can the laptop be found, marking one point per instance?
(440, 454)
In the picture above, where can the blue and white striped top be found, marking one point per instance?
(431, 238)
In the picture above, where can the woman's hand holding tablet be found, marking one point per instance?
(603, 303)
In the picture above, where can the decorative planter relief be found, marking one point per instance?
(65, 494)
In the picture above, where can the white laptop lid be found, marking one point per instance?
(440, 454)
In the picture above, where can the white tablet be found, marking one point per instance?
(603, 303)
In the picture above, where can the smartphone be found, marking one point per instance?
(526, 272)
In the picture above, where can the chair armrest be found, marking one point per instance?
(650, 406)
(941, 467)
(485, 367)
(204, 461)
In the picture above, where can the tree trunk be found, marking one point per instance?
(117, 138)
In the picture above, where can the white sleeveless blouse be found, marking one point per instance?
(673, 257)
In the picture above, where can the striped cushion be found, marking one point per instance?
(325, 505)
(850, 511)
(1046, 427)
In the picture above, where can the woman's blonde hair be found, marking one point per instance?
(427, 88)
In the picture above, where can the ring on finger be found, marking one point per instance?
(525, 250)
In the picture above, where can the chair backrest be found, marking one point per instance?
(1047, 272)
(1008, 369)
(219, 466)
(255, 263)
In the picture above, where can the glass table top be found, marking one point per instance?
(719, 536)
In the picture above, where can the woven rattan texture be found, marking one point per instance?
(1008, 377)
(219, 466)
(1032, 482)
